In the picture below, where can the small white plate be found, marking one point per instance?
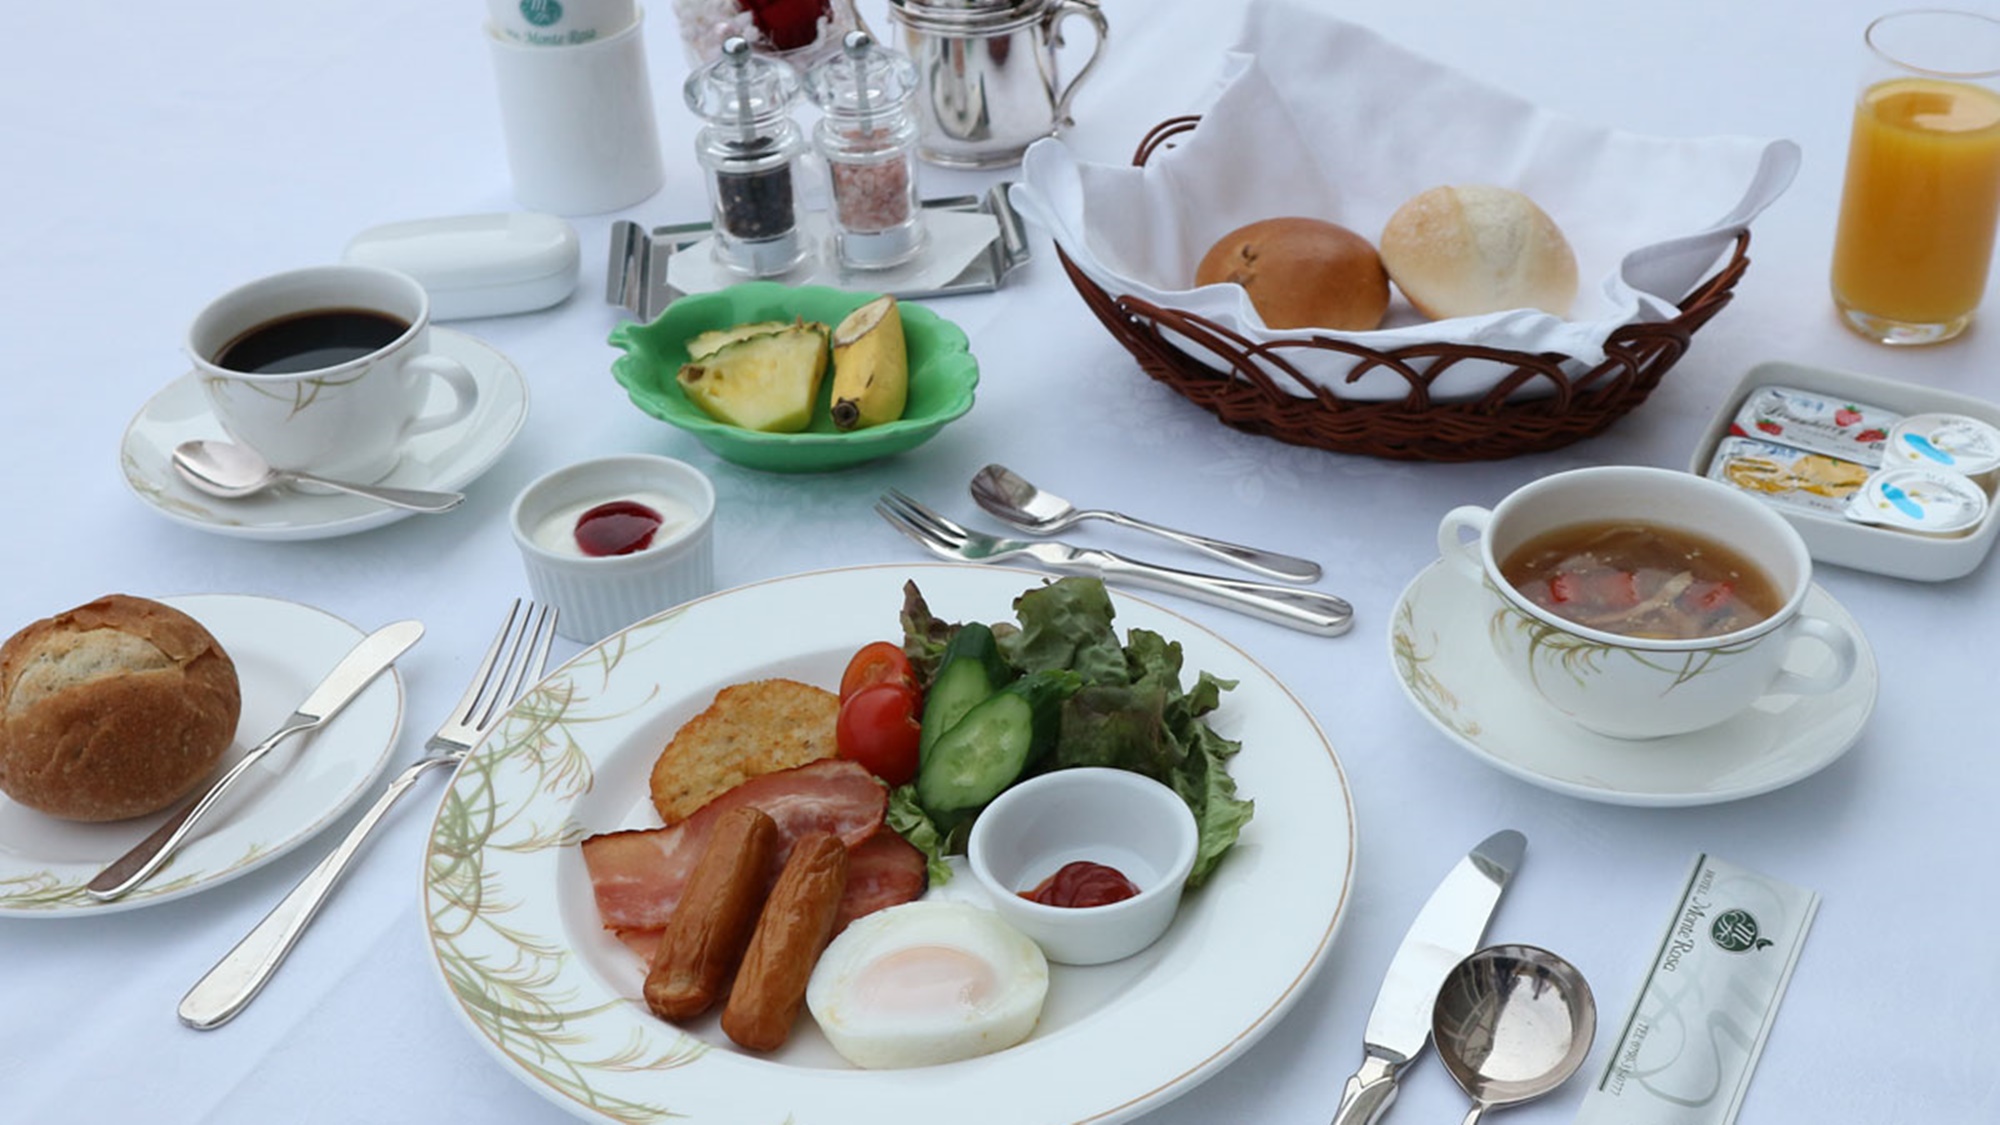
(519, 943)
(1442, 658)
(281, 650)
(443, 459)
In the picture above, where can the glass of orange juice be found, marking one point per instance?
(1922, 194)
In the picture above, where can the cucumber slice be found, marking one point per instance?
(968, 672)
(995, 743)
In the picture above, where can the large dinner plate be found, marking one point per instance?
(281, 649)
(517, 939)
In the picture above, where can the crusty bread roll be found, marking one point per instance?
(1302, 273)
(1475, 248)
(113, 709)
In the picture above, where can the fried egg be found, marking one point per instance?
(926, 983)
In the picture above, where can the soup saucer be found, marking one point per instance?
(1441, 656)
(444, 459)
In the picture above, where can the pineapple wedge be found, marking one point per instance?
(767, 381)
(707, 343)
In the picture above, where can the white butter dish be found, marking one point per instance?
(1833, 538)
(478, 265)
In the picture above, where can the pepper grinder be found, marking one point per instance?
(749, 149)
(868, 138)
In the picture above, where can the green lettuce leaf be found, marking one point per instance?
(913, 824)
(1067, 624)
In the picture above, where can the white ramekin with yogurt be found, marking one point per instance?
(614, 540)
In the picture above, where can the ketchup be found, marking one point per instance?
(1083, 883)
(619, 527)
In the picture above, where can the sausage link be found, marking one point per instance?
(706, 935)
(794, 928)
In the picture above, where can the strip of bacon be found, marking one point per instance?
(882, 871)
(638, 875)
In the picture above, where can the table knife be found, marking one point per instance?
(1447, 929)
(361, 665)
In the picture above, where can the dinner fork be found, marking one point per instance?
(516, 658)
(1306, 610)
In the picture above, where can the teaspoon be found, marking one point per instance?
(1512, 1022)
(1014, 500)
(232, 471)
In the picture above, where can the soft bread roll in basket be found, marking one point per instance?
(114, 709)
(1472, 249)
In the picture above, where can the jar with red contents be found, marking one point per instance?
(867, 135)
(801, 31)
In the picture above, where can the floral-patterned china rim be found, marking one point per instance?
(281, 649)
(444, 459)
(518, 943)
(1442, 657)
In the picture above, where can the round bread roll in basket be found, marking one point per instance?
(1302, 273)
(1465, 250)
(114, 709)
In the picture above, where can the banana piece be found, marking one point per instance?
(871, 366)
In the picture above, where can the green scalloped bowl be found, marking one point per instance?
(943, 374)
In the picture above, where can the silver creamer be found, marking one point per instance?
(988, 75)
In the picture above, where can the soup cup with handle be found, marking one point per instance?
(1637, 687)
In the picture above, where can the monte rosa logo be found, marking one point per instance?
(1736, 931)
(541, 13)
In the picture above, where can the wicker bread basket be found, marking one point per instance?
(1263, 393)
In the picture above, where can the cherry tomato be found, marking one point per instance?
(880, 662)
(879, 727)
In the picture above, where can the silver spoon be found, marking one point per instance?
(232, 471)
(1512, 1022)
(1015, 501)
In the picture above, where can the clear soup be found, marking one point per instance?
(1641, 580)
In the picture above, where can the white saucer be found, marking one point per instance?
(444, 459)
(281, 649)
(1439, 649)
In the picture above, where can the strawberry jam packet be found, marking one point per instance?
(1851, 431)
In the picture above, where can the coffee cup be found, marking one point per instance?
(326, 369)
(1698, 558)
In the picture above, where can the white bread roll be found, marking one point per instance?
(1471, 249)
(113, 709)
(1302, 273)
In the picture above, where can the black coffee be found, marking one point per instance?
(311, 340)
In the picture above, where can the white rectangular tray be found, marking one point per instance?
(1901, 554)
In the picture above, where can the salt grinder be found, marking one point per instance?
(867, 135)
(749, 149)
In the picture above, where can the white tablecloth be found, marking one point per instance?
(157, 154)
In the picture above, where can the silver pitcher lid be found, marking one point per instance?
(967, 15)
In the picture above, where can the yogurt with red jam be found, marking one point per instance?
(617, 525)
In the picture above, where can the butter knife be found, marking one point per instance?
(360, 666)
(1447, 929)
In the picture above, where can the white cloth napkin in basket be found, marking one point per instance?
(1320, 117)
